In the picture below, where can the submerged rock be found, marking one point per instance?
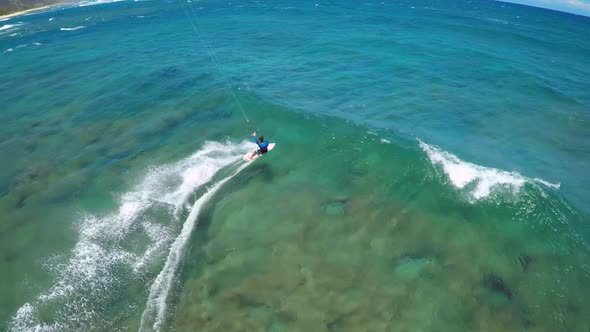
(245, 300)
(337, 207)
(20, 202)
(422, 253)
(496, 284)
(414, 264)
(524, 260)
(286, 316)
(167, 72)
(412, 268)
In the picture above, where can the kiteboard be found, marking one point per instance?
(250, 156)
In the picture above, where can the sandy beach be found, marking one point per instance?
(22, 12)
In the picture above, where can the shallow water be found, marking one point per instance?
(430, 170)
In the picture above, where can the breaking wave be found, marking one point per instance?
(478, 180)
(73, 28)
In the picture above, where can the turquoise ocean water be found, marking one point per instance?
(431, 168)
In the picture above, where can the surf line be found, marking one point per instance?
(154, 314)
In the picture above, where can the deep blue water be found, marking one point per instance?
(487, 95)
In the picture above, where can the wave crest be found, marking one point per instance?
(73, 28)
(96, 2)
(480, 180)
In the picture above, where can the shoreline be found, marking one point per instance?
(26, 11)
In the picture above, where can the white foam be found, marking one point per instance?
(495, 20)
(156, 307)
(92, 271)
(8, 50)
(385, 141)
(37, 44)
(96, 2)
(159, 237)
(73, 28)
(25, 320)
(481, 180)
(51, 19)
(9, 26)
(555, 186)
(89, 269)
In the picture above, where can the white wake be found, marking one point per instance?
(100, 264)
